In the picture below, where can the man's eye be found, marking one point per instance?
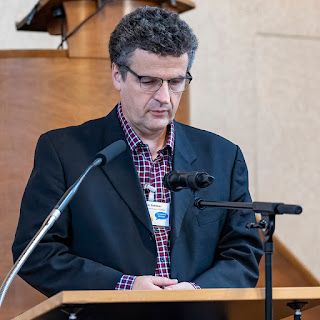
(177, 84)
(177, 81)
(149, 81)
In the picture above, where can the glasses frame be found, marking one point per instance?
(188, 77)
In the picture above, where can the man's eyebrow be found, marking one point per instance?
(175, 77)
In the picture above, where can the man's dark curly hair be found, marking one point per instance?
(154, 30)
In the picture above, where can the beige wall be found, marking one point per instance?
(256, 82)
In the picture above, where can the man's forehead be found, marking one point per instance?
(145, 61)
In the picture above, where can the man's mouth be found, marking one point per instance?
(159, 112)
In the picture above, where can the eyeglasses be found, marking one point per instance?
(153, 84)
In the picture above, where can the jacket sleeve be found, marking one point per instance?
(239, 250)
(52, 267)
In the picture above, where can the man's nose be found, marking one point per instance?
(163, 94)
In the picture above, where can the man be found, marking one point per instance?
(108, 238)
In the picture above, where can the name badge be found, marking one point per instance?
(159, 213)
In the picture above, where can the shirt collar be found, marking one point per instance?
(132, 138)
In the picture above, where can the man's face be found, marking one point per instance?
(149, 113)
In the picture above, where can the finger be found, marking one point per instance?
(168, 288)
(162, 281)
(172, 287)
(144, 283)
(153, 287)
(180, 286)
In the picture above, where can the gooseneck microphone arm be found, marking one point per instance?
(101, 158)
(47, 224)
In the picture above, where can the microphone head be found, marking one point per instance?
(111, 151)
(204, 179)
(197, 180)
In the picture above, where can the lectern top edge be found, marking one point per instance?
(42, 14)
(230, 299)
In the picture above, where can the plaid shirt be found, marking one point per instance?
(151, 172)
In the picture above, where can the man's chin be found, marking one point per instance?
(160, 124)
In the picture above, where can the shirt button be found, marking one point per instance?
(152, 238)
(161, 259)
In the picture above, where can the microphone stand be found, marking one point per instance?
(268, 211)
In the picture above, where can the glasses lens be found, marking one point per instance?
(178, 84)
(150, 84)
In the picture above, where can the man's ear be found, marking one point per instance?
(116, 76)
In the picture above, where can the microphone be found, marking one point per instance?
(111, 151)
(103, 157)
(176, 181)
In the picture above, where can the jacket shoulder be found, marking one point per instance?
(88, 128)
(197, 135)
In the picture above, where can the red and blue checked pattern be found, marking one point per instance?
(126, 282)
(163, 257)
(151, 172)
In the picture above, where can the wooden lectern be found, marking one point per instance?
(205, 304)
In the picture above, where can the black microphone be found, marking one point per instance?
(111, 151)
(176, 181)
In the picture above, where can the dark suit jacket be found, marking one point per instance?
(106, 230)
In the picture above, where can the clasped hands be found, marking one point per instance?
(160, 283)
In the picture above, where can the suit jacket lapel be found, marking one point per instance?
(184, 156)
(123, 176)
(122, 173)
